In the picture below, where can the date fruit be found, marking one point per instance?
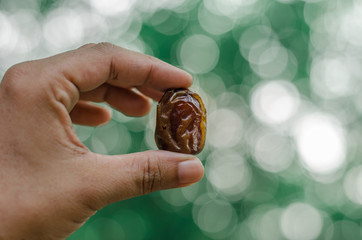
(181, 122)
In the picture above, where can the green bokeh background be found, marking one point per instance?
(281, 83)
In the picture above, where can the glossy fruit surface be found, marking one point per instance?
(181, 122)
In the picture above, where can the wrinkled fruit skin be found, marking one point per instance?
(181, 122)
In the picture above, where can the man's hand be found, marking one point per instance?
(50, 183)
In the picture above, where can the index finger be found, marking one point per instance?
(92, 65)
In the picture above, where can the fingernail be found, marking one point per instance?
(190, 171)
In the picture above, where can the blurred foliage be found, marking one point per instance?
(281, 82)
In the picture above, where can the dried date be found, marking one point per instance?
(181, 122)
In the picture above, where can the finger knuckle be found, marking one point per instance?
(18, 70)
(14, 77)
(88, 45)
(151, 179)
(104, 47)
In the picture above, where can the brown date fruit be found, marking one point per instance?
(181, 122)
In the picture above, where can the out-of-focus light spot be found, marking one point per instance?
(137, 124)
(122, 25)
(214, 24)
(275, 102)
(120, 117)
(334, 77)
(344, 229)
(268, 58)
(63, 29)
(112, 7)
(287, 1)
(266, 226)
(233, 101)
(301, 221)
(254, 221)
(174, 197)
(191, 192)
(326, 193)
(130, 35)
(95, 26)
(313, 1)
(251, 35)
(358, 104)
(242, 232)
(228, 172)
(83, 132)
(16, 5)
(159, 17)
(168, 22)
(104, 228)
(273, 152)
(149, 137)
(319, 37)
(290, 71)
(353, 183)
(312, 12)
(198, 53)
(352, 25)
(8, 36)
(227, 128)
(133, 224)
(321, 143)
(216, 217)
(222, 209)
(269, 225)
(111, 138)
(228, 7)
(29, 38)
(263, 188)
(153, 6)
(212, 84)
(18, 41)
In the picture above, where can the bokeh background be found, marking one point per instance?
(281, 80)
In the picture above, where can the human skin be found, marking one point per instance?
(50, 183)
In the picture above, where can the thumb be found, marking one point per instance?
(114, 178)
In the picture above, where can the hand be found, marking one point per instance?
(50, 183)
